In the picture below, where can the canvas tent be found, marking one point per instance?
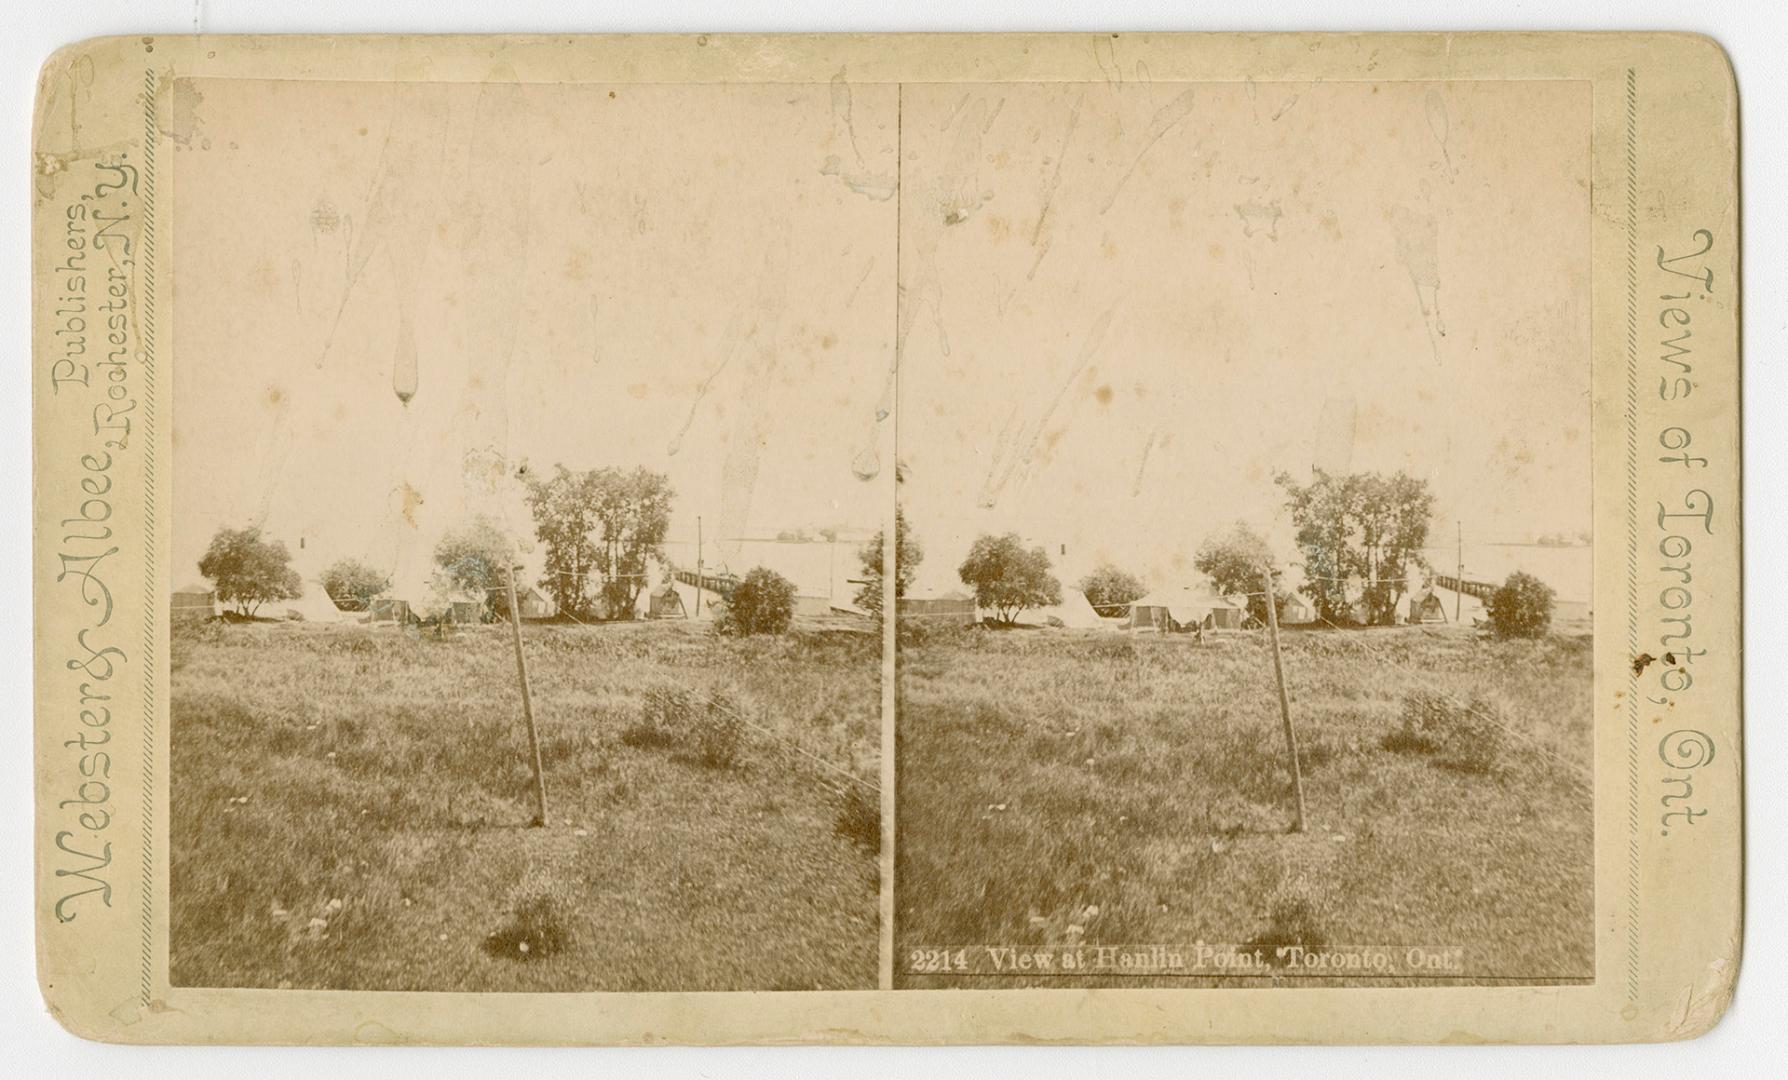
(666, 603)
(1425, 607)
(1184, 608)
(311, 605)
(1073, 613)
(1297, 609)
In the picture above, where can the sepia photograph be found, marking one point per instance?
(528, 482)
(1245, 513)
(735, 539)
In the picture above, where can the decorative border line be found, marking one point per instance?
(146, 315)
(1632, 225)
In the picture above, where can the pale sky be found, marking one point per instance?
(1129, 305)
(677, 277)
(1124, 306)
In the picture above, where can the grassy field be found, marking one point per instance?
(1062, 788)
(349, 803)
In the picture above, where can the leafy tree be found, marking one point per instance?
(353, 585)
(633, 512)
(476, 559)
(601, 529)
(763, 603)
(1236, 563)
(1007, 578)
(908, 554)
(564, 509)
(248, 570)
(1364, 525)
(1110, 587)
(1521, 607)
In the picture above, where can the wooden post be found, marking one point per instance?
(521, 667)
(700, 579)
(1459, 593)
(1291, 737)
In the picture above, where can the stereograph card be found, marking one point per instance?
(987, 538)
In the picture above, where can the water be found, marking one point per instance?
(1569, 570)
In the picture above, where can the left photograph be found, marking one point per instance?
(529, 473)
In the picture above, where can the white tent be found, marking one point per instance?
(1186, 606)
(1074, 612)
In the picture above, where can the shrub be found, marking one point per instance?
(1008, 578)
(719, 731)
(859, 817)
(353, 585)
(1466, 735)
(1295, 916)
(664, 710)
(1521, 607)
(709, 723)
(537, 926)
(764, 603)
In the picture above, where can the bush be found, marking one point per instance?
(664, 710)
(537, 926)
(1466, 735)
(859, 817)
(719, 732)
(764, 603)
(1296, 915)
(1521, 607)
(709, 723)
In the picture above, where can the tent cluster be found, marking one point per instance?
(1178, 609)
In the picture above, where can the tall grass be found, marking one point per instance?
(379, 782)
(1044, 774)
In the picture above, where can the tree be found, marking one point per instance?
(476, 559)
(1109, 587)
(1007, 578)
(1364, 525)
(248, 570)
(1521, 607)
(633, 512)
(564, 509)
(908, 554)
(1236, 563)
(763, 603)
(601, 529)
(353, 585)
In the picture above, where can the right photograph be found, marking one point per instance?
(1243, 546)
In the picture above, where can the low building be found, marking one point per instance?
(944, 609)
(192, 602)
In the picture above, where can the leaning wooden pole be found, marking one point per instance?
(521, 667)
(1291, 735)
